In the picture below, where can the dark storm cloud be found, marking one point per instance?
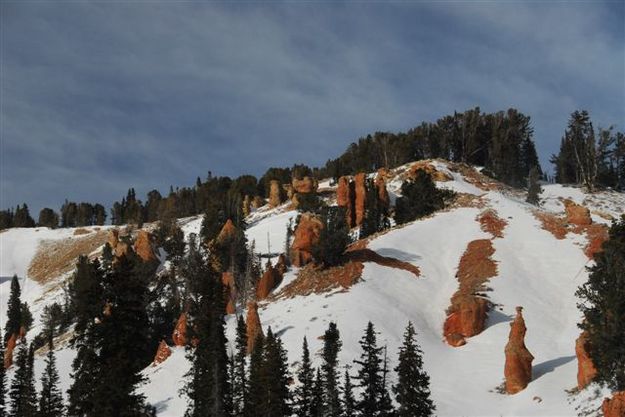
(98, 97)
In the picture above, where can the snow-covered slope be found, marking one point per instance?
(535, 270)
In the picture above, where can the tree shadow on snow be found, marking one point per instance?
(549, 366)
(495, 317)
(398, 254)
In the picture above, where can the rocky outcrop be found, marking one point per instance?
(119, 247)
(268, 282)
(429, 169)
(275, 198)
(467, 318)
(576, 214)
(586, 370)
(518, 368)
(179, 336)
(257, 202)
(380, 185)
(144, 246)
(345, 198)
(162, 353)
(305, 185)
(230, 292)
(246, 205)
(228, 231)
(8, 350)
(305, 237)
(615, 406)
(282, 264)
(360, 197)
(254, 327)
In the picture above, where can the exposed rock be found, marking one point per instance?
(144, 246)
(162, 353)
(345, 198)
(518, 368)
(429, 169)
(491, 223)
(247, 205)
(274, 194)
(179, 336)
(257, 202)
(314, 280)
(586, 370)
(268, 282)
(305, 185)
(227, 231)
(615, 406)
(8, 351)
(305, 237)
(466, 319)
(254, 327)
(553, 224)
(363, 254)
(113, 238)
(576, 214)
(360, 197)
(380, 184)
(596, 234)
(230, 292)
(282, 265)
(288, 188)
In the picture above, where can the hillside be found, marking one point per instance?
(539, 261)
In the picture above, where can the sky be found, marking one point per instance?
(98, 97)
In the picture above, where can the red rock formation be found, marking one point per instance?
(305, 185)
(429, 169)
(268, 282)
(380, 184)
(257, 202)
(576, 214)
(586, 370)
(230, 292)
(596, 234)
(227, 231)
(345, 198)
(179, 336)
(8, 351)
(247, 205)
(274, 194)
(281, 265)
(113, 238)
(305, 237)
(467, 318)
(518, 368)
(615, 406)
(254, 327)
(144, 247)
(162, 353)
(360, 197)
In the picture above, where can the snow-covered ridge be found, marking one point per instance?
(535, 270)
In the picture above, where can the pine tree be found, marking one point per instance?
(3, 383)
(386, 404)
(255, 390)
(22, 392)
(603, 307)
(304, 392)
(369, 374)
(239, 377)
(412, 391)
(376, 213)
(316, 406)
(276, 399)
(420, 197)
(349, 402)
(534, 189)
(331, 347)
(333, 238)
(14, 315)
(51, 399)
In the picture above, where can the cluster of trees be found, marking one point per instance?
(71, 215)
(603, 307)
(20, 217)
(588, 157)
(420, 197)
(501, 142)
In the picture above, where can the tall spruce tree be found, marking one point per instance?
(533, 187)
(22, 392)
(3, 383)
(412, 391)
(349, 402)
(333, 238)
(304, 392)
(603, 307)
(386, 403)
(420, 197)
(239, 377)
(369, 374)
(255, 390)
(51, 399)
(331, 347)
(275, 376)
(316, 406)
(14, 308)
(376, 214)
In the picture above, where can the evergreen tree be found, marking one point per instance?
(331, 347)
(304, 392)
(534, 189)
(239, 377)
(386, 404)
(3, 382)
(412, 391)
(333, 238)
(349, 402)
(255, 390)
(275, 377)
(420, 197)
(603, 307)
(316, 406)
(22, 217)
(22, 392)
(48, 218)
(51, 399)
(376, 213)
(369, 374)
(14, 310)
